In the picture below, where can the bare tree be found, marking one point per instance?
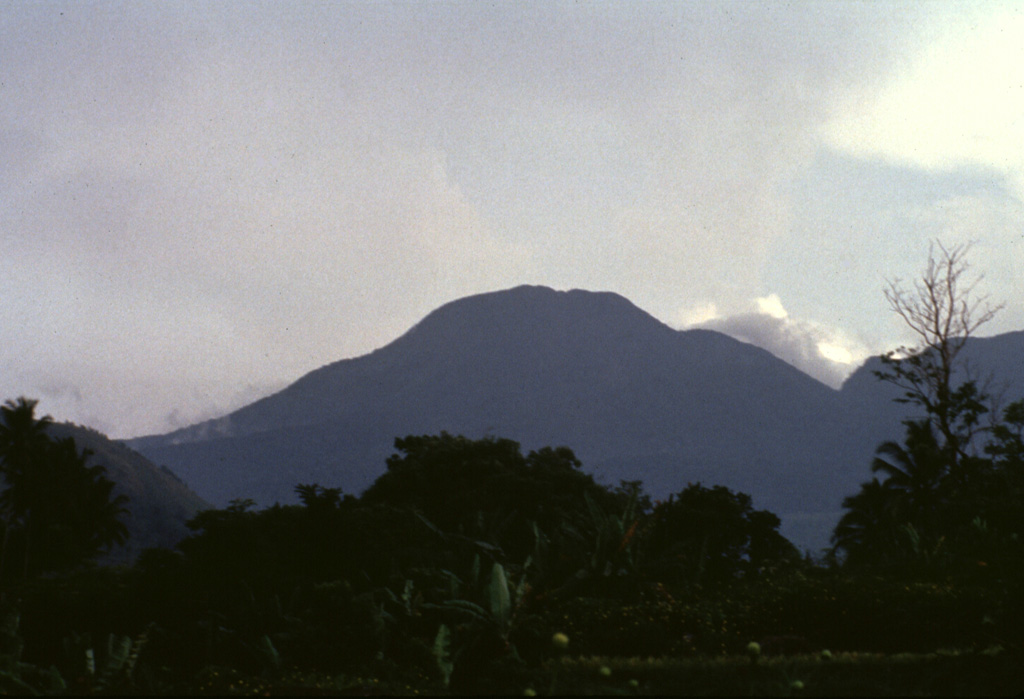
(943, 311)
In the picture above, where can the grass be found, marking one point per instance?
(989, 672)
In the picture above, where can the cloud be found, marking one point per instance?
(825, 353)
(224, 225)
(696, 315)
(205, 407)
(188, 209)
(771, 305)
(958, 102)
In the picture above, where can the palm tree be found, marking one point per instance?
(914, 472)
(23, 443)
(57, 510)
(78, 516)
(868, 531)
(908, 497)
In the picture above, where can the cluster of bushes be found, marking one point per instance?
(454, 571)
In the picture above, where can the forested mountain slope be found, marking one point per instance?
(634, 398)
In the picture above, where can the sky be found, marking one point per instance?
(200, 202)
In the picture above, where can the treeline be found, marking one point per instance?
(453, 571)
(459, 543)
(451, 562)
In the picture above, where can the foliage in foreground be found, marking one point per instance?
(56, 511)
(340, 595)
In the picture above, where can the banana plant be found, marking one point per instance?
(472, 623)
(17, 677)
(443, 653)
(614, 550)
(109, 665)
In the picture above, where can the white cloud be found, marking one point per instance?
(696, 315)
(826, 353)
(959, 99)
(771, 305)
(834, 353)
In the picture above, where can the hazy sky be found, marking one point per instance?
(200, 202)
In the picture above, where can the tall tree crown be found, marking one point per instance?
(943, 312)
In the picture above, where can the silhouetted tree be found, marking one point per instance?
(943, 312)
(909, 495)
(487, 489)
(935, 484)
(318, 498)
(713, 535)
(23, 442)
(77, 515)
(867, 530)
(1002, 489)
(915, 472)
(57, 509)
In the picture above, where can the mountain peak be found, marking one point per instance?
(528, 310)
(543, 367)
(634, 398)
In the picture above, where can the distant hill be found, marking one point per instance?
(995, 363)
(634, 398)
(159, 503)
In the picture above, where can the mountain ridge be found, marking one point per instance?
(634, 398)
(443, 327)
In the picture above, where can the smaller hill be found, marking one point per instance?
(159, 503)
(993, 362)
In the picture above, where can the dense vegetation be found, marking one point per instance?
(373, 594)
(470, 567)
(56, 509)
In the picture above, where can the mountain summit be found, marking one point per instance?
(529, 353)
(632, 397)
